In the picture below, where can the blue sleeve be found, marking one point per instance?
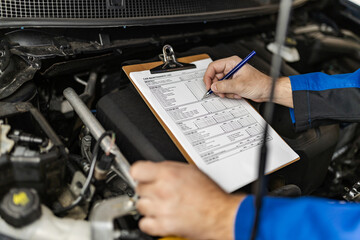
(298, 219)
(320, 98)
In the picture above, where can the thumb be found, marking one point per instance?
(226, 86)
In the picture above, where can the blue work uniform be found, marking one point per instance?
(318, 99)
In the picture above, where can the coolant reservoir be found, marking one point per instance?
(48, 226)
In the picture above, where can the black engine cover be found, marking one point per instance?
(138, 133)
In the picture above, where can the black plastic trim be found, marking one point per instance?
(144, 21)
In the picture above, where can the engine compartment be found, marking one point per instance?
(46, 147)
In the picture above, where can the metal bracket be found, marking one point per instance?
(104, 213)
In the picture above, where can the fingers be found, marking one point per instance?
(213, 69)
(145, 190)
(176, 200)
(147, 171)
(155, 179)
(146, 207)
(144, 171)
(150, 226)
(224, 87)
(218, 77)
(221, 95)
(217, 69)
(233, 96)
(160, 226)
(156, 226)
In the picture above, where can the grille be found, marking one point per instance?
(90, 9)
(101, 12)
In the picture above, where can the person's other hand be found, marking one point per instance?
(248, 82)
(177, 199)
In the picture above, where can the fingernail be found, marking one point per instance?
(214, 87)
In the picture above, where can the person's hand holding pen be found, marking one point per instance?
(247, 82)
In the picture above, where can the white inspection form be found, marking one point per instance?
(222, 136)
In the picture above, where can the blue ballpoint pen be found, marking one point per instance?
(232, 72)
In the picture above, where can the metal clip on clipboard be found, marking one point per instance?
(170, 62)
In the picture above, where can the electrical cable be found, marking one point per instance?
(86, 185)
(281, 30)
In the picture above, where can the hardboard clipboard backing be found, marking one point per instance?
(148, 66)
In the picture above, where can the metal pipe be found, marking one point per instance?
(103, 214)
(96, 129)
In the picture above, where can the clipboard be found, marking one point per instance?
(154, 65)
(233, 179)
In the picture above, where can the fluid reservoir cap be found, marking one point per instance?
(20, 207)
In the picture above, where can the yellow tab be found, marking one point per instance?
(20, 199)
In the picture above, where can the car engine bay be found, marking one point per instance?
(59, 180)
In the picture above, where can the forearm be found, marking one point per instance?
(283, 93)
